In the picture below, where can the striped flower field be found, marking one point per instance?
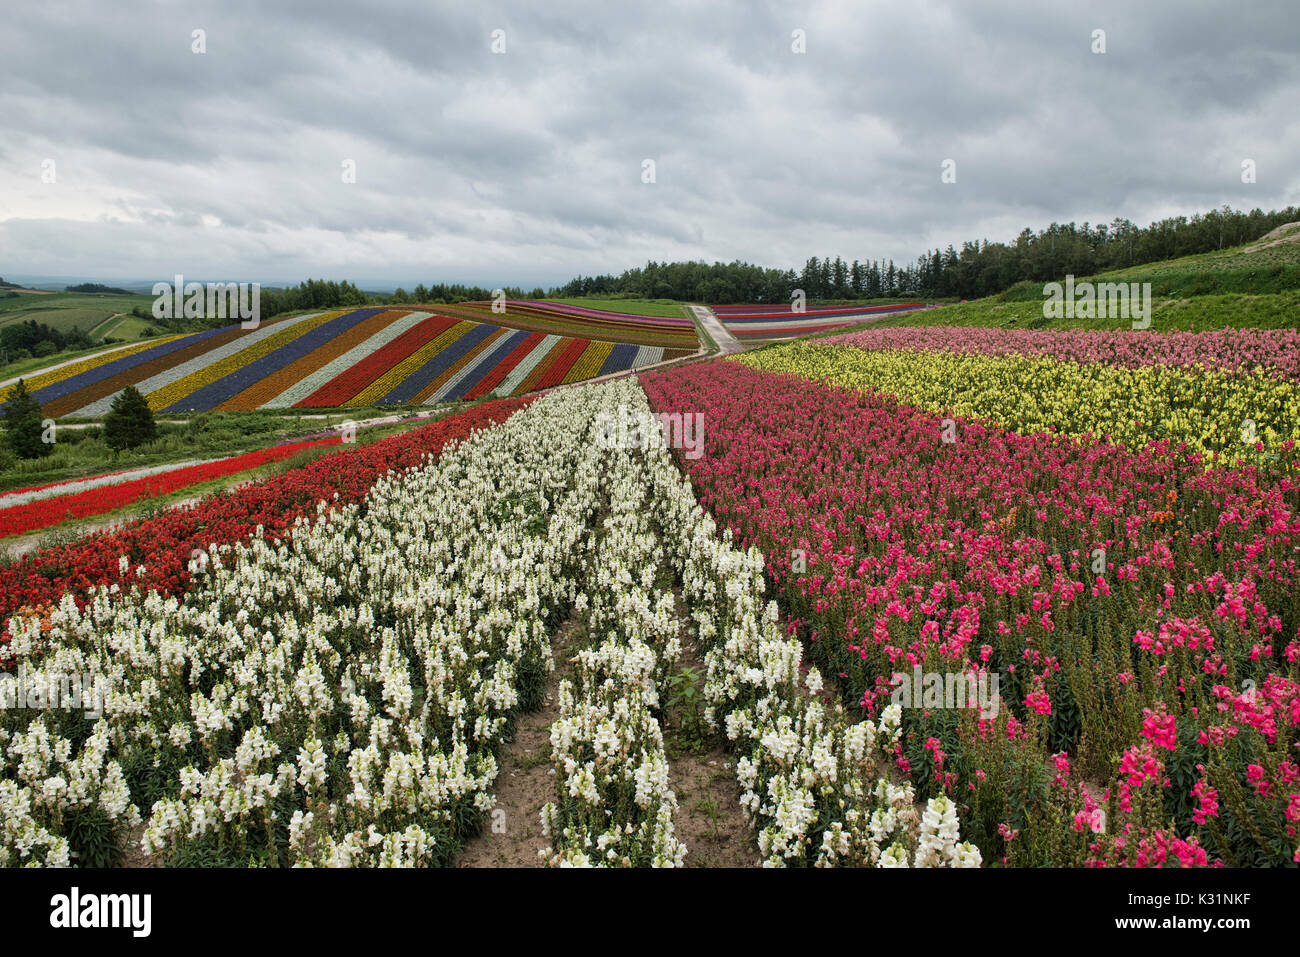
(668, 332)
(34, 509)
(778, 321)
(1229, 397)
(356, 358)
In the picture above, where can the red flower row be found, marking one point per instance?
(165, 544)
(41, 488)
(96, 501)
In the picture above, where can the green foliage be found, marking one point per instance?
(40, 339)
(684, 694)
(312, 294)
(129, 423)
(23, 427)
(444, 292)
(98, 288)
(94, 838)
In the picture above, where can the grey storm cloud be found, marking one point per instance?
(525, 166)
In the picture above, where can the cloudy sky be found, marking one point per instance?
(526, 166)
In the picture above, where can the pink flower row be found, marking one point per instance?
(1097, 581)
(1275, 351)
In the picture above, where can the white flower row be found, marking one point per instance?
(338, 698)
(614, 805)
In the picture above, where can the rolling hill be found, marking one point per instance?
(363, 357)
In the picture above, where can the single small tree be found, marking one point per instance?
(23, 424)
(129, 422)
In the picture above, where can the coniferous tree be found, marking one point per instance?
(23, 427)
(129, 422)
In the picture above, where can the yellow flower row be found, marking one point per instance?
(589, 363)
(1210, 411)
(174, 392)
(85, 365)
(399, 373)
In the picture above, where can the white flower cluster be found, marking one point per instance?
(41, 785)
(938, 845)
(614, 806)
(336, 698)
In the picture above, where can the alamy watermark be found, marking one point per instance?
(626, 429)
(213, 300)
(133, 912)
(53, 692)
(1106, 300)
(938, 689)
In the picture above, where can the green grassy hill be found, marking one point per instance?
(67, 310)
(1251, 286)
(633, 307)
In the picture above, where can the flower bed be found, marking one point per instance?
(339, 697)
(330, 699)
(1228, 416)
(809, 779)
(1275, 352)
(1102, 585)
(111, 496)
(165, 544)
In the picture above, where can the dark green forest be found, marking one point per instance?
(978, 268)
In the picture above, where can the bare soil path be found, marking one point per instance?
(709, 818)
(512, 830)
(727, 343)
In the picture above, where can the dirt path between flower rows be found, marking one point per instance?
(726, 342)
(512, 830)
(709, 818)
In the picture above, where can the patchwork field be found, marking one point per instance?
(667, 328)
(356, 358)
(778, 321)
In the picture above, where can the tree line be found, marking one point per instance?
(98, 289)
(979, 268)
(23, 340)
